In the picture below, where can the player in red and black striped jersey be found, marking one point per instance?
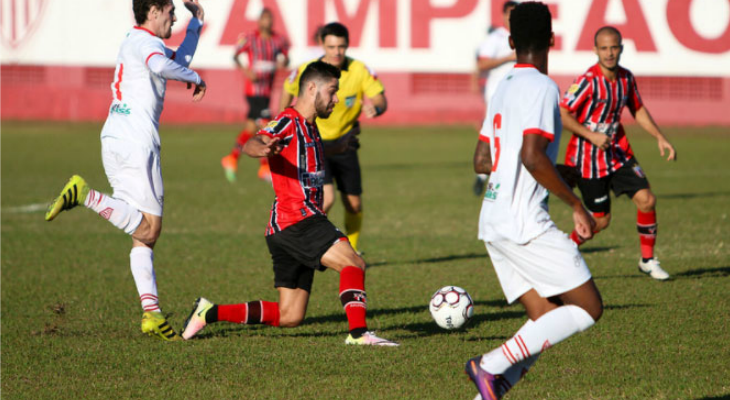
(600, 150)
(300, 237)
(266, 52)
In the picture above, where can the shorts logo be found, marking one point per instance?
(106, 213)
(638, 171)
(350, 101)
(601, 199)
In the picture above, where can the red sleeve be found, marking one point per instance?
(577, 94)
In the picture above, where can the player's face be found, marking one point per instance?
(608, 49)
(165, 20)
(324, 102)
(266, 22)
(505, 17)
(334, 50)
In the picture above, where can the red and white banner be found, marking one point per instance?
(662, 37)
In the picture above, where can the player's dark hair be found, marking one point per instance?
(142, 7)
(508, 4)
(335, 29)
(606, 29)
(317, 70)
(531, 27)
(266, 10)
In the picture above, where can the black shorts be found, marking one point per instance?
(258, 108)
(344, 168)
(297, 250)
(628, 179)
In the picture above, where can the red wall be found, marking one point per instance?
(83, 94)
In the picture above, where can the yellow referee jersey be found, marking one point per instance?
(355, 80)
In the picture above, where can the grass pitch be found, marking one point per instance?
(70, 314)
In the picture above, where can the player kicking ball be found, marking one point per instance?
(535, 262)
(130, 143)
(300, 237)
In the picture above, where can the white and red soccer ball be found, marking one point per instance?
(451, 307)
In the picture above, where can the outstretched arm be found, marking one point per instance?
(168, 69)
(378, 105)
(570, 123)
(262, 146)
(538, 164)
(647, 122)
(184, 53)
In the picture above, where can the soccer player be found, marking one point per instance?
(356, 81)
(266, 52)
(536, 263)
(495, 58)
(300, 237)
(130, 143)
(600, 150)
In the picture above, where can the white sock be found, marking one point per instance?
(548, 330)
(514, 373)
(118, 212)
(143, 271)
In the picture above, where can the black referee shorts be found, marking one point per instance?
(297, 250)
(628, 179)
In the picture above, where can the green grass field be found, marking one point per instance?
(70, 313)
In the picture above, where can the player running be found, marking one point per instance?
(356, 81)
(130, 143)
(266, 52)
(600, 150)
(495, 59)
(535, 262)
(300, 237)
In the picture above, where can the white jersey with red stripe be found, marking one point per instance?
(144, 65)
(515, 205)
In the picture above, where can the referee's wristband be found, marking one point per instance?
(378, 111)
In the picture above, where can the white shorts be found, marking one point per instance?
(134, 173)
(551, 264)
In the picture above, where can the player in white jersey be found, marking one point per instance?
(495, 59)
(535, 262)
(130, 143)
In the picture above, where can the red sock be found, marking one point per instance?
(242, 138)
(264, 161)
(577, 239)
(647, 227)
(251, 313)
(352, 296)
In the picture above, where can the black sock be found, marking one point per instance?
(646, 259)
(212, 315)
(358, 332)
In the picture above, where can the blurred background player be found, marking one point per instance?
(315, 52)
(266, 52)
(600, 150)
(535, 262)
(495, 58)
(130, 143)
(357, 81)
(300, 237)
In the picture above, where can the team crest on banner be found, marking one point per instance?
(19, 19)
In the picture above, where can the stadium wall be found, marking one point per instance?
(423, 50)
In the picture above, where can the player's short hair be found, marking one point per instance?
(531, 27)
(317, 71)
(335, 29)
(266, 10)
(508, 4)
(142, 7)
(607, 28)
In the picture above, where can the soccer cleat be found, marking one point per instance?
(479, 184)
(487, 384)
(230, 166)
(73, 194)
(196, 320)
(265, 173)
(653, 269)
(155, 324)
(369, 338)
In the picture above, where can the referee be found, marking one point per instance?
(356, 81)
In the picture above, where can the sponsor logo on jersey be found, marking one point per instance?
(121, 109)
(492, 191)
(573, 88)
(313, 179)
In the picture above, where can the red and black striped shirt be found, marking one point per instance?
(262, 55)
(297, 172)
(598, 103)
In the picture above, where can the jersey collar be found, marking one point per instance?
(525, 66)
(145, 29)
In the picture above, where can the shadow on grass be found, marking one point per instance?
(624, 306)
(430, 328)
(431, 260)
(597, 249)
(704, 273)
(691, 195)
(721, 397)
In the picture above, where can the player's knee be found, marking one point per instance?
(290, 320)
(595, 311)
(649, 202)
(148, 232)
(603, 222)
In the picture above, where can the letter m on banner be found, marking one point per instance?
(19, 19)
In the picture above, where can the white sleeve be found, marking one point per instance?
(161, 65)
(488, 48)
(184, 54)
(543, 113)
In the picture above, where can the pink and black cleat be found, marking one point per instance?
(487, 384)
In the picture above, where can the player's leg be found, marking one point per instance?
(349, 182)
(230, 161)
(353, 218)
(597, 199)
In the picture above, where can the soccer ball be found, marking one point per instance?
(451, 307)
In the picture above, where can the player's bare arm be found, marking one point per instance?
(195, 8)
(537, 162)
(487, 64)
(570, 123)
(482, 158)
(643, 117)
(378, 105)
(262, 146)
